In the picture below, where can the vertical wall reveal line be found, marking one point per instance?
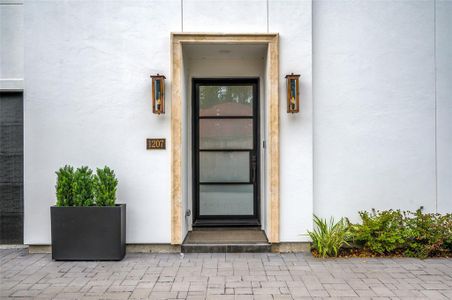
(313, 132)
(436, 105)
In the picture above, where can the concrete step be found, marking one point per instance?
(226, 248)
(232, 240)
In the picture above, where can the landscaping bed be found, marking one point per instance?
(392, 233)
(359, 252)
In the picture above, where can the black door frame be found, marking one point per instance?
(226, 220)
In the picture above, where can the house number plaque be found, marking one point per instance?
(153, 144)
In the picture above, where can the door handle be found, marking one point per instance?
(253, 168)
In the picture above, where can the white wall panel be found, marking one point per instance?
(374, 114)
(292, 20)
(225, 16)
(87, 102)
(444, 103)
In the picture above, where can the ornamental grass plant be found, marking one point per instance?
(328, 237)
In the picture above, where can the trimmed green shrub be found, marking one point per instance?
(328, 237)
(64, 193)
(83, 187)
(380, 232)
(105, 184)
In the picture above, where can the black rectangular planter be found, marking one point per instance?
(88, 232)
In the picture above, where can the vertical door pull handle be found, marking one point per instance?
(253, 168)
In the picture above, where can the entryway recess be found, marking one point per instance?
(244, 177)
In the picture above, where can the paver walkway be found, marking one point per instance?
(223, 276)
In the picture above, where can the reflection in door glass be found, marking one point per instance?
(226, 134)
(226, 199)
(230, 100)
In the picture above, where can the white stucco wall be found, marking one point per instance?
(444, 103)
(11, 45)
(224, 16)
(366, 141)
(374, 112)
(293, 20)
(87, 102)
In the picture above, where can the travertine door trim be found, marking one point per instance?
(177, 39)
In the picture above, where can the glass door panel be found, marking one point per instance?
(225, 153)
(226, 199)
(225, 100)
(224, 166)
(226, 134)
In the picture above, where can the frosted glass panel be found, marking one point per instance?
(226, 199)
(226, 134)
(224, 166)
(226, 100)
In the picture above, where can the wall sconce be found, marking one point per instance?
(293, 93)
(158, 94)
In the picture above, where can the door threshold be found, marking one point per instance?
(221, 228)
(226, 223)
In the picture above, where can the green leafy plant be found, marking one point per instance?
(380, 231)
(427, 234)
(414, 234)
(83, 187)
(64, 193)
(105, 185)
(328, 237)
(448, 232)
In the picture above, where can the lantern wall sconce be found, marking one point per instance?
(158, 94)
(293, 93)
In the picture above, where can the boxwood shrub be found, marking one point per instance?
(83, 188)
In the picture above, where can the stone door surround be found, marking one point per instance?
(272, 89)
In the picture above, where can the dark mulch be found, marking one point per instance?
(360, 252)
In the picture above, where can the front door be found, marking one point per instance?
(225, 152)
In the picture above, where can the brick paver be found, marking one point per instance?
(223, 276)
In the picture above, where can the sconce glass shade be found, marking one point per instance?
(158, 94)
(293, 93)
